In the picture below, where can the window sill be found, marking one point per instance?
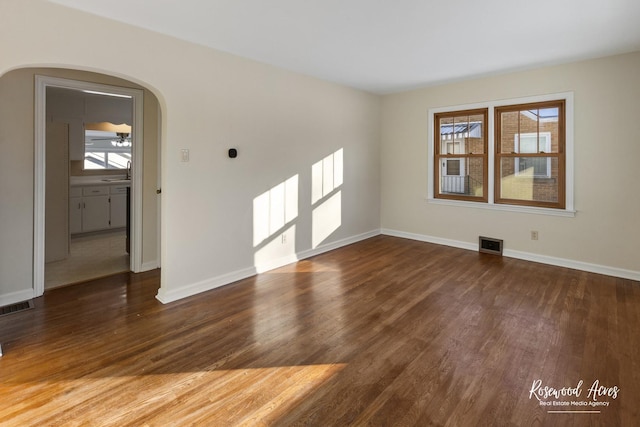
(505, 208)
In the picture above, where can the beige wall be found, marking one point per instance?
(605, 230)
(16, 188)
(282, 124)
(17, 142)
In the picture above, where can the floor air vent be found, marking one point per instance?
(489, 245)
(14, 308)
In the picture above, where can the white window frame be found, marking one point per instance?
(568, 211)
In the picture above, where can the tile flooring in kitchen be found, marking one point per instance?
(92, 256)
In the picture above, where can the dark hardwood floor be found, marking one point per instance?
(385, 332)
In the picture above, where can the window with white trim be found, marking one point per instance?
(461, 155)
(529, 154)
(528, 158)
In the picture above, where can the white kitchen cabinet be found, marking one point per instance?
(118, 207)
(75, 215)
(95, 213)
(97, 207)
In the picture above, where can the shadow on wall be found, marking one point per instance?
(275, 213)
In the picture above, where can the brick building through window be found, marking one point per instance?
(528, 155)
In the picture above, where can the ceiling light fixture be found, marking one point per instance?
(122, 131)
(122, 141)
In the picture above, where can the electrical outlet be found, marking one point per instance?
(534, 235)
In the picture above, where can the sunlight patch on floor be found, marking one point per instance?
(204, 396)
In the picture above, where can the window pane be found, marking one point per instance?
(446, 141)
(528, 143)
(535, 129)
(528, 121)
(95, 160)
(462, 134)
(118, 160)
(462, 177)
(549, 125)
(529, 179)
(508, 131)
(538, 166)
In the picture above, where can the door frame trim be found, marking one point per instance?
(137, 96)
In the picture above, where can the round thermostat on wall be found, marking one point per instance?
(233, 153)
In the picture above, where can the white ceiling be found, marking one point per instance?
(384, 46)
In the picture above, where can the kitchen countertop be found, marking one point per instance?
(76, 181)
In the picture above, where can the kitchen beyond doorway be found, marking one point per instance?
(42, 83)
(91, 256)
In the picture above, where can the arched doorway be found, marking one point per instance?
(21, 103)
(42, 83)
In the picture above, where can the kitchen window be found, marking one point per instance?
(106, 150)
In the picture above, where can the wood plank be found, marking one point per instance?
(387, 331)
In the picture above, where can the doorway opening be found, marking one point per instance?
(101, 208)
(88, 177)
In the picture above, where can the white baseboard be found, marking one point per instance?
(430, 239)
(576, 265)
(337, 244)
(526, 256)
(166, 296)
(14, 297)
(276, 263)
